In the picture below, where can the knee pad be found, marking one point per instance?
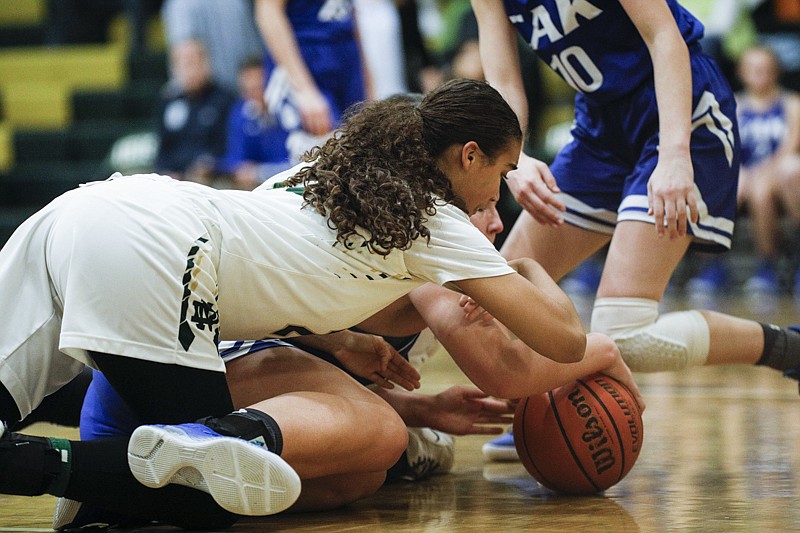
(648, 342)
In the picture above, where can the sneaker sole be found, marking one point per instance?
(65, 512)
(242, 478)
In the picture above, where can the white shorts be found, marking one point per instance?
(95, 272)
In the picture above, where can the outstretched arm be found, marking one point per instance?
(549, 326)
(508, 368)
(368, 356)
(459, 410)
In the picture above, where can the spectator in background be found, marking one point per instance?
(315, 64)
(227, 29)
(423, 72)
(769, 126)
(778, 26)
(192, 113)
(256, 146)
(729, 30)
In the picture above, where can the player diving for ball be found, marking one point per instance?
(140, 276)
(259, 372)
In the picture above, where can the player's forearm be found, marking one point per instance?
(500, 56)
(412, 407)
(279, 38)
(545, 324)
(536, 274)
(791, 141)
(495, 363)
(329, 343)
(369, 84)
(673, 83)
(672, 74)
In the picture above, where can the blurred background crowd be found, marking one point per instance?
(230, 92)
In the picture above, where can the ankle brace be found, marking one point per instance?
(248, 424)
(32, 466)
(781, 348)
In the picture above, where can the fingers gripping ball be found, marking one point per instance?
(581, 438)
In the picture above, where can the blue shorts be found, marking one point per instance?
(603, 172)
(105, 414)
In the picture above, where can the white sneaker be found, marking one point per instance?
(242, 476)
(430, 452)
(71, 515)
(65, 512)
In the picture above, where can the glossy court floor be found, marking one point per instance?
(720, 454)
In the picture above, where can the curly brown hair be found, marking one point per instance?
(376, 179)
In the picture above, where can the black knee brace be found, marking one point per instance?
(248, 424)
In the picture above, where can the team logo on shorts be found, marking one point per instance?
(708, 114)
(204, 314)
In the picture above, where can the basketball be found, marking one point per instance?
(581, 438)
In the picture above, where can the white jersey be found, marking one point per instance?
(161, 270)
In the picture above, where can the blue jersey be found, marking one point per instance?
(321, 20)
(761, 131)
(253, 137)
(604, 171)
(593, 44)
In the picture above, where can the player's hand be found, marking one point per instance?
(671, 198)
(314, 111)
(535, 189)
(371, 357)
(464, 410)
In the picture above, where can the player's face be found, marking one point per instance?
(487, 219)
(190, 66)
(480, 184)
(251, 84)
(758, 71)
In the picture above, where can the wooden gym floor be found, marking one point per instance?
(719, 455)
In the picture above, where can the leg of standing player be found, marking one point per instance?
(639, 265)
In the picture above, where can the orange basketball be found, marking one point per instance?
(581, 438)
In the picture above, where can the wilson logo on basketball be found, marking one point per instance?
(630, 412)
(594, 436)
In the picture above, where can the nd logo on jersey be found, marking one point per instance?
(199, 314)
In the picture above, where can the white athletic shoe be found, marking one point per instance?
(242, 477)
(429, 452)
(71, 515)
(65, 512)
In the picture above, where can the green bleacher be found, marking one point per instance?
(63, 107)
